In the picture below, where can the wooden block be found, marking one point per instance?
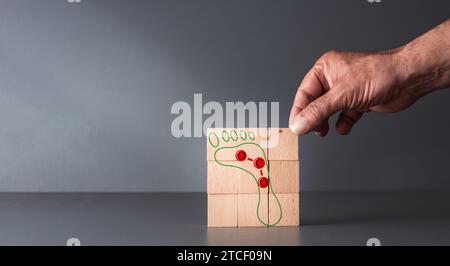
(247, 210)
(285, 176)
(285, 144)
(222, 180)
(222, 210)
(290, 209)
(253, 141)
(248, 184)
(227, 141)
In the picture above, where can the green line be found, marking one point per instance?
(210, 142)
(255, 179)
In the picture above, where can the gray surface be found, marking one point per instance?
(328, 218)
(86, 90)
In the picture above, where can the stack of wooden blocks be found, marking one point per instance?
(234, 196)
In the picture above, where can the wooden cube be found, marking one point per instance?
(285, 176)
(253, 141)
(290, 209)
(222, 210)
(248, 184)
(223, 180)
(248, 209)
(284, 144)
(219, 139)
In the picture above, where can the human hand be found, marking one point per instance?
(355, 83)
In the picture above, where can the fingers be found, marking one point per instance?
(347, 119)
(310, 89)
(313, 115)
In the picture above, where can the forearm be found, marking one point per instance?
(424, 63)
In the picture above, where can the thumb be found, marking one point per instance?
(313, 114)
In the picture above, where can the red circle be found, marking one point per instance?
(259, 162)
(263, 182)
(241, 155)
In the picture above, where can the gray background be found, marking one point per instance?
(86, 90)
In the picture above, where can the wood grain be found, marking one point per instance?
(222, 210)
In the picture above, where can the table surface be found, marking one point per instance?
(328, 218)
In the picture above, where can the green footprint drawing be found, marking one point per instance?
(229, 138)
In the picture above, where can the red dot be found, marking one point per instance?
(263, 182)
(259, 163)
(241, 155)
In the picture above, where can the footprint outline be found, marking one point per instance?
(227, 140)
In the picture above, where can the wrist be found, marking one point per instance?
(424, 64)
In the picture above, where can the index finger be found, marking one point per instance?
(310, 89)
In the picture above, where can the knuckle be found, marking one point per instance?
(318, 69)
(315, 110)
(308, 97)
(344, 99)
(330, 55)
(342, 96)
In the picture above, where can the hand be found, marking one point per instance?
(355, 83)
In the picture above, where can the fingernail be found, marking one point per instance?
(299, 126)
